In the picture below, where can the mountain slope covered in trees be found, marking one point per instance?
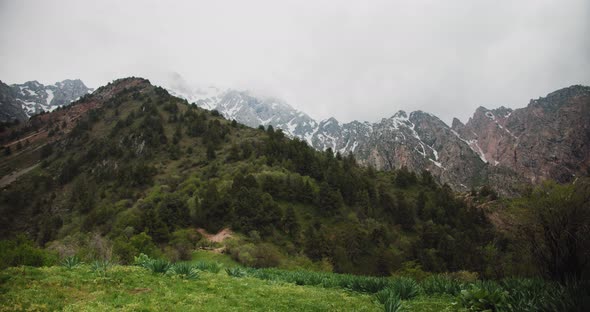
(140, 170)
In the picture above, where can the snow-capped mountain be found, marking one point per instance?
(463, 156)
(418, 141)
(35, 97)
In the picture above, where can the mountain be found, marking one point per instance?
(10, 108)
(548, 139)
(463, 156)
(33, 97)
(133, 165)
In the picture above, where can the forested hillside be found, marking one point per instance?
(134, 170)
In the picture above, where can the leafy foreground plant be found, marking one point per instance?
(236, 272)
(184, 270)
(208, 266)
(393, 304)
(484, 296)
(405, 288)
(142, 260)
(441, 285)
(158, 266)
(100, 267)
(71, 262)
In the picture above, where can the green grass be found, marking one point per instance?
(132, 288)
(208, 256)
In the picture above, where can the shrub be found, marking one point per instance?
(71, 262)
(158, 266)
(184, 270)
(413, 270)
(184, 241)
(212, 267)
(22, 251)
(441, 285)
(484, 296)
(405, 288)
(393, 304)
(383, 295)
(100, 267)
(236, 272)
(142, 260)
(540, 295)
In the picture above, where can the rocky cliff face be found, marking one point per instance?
(10, 109)
(548, 139)
(33, 97)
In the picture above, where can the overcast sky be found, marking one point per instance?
(348, 59)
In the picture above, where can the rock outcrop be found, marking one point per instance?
(548, 139)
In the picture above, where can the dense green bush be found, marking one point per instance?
(484, 296)
(22, 251)
(405, 288)
(259, 256)
(127, 249)
(440, 285)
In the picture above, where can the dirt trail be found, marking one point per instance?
(216, 238)
(7, 179)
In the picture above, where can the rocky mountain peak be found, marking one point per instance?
(456, 124)
(33, 97)
(560, 97)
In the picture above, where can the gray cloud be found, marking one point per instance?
(349, 59)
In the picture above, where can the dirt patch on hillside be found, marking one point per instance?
(216, 238)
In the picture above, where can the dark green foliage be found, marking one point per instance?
(236, 272)
(393, 304)
(404, 287)
(330, 199)
(404, 178)
(158, 266)
(440, 285)
(22, 251)
(557, 229)
(173, 211)
(291, 224)
(484, 296)
(83, 194)
(217, 209)
(183, 242)
(126, 249)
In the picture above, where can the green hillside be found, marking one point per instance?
(130, 169)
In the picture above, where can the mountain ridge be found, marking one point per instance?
(32, 97)
(492, 148)
(433, 145)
